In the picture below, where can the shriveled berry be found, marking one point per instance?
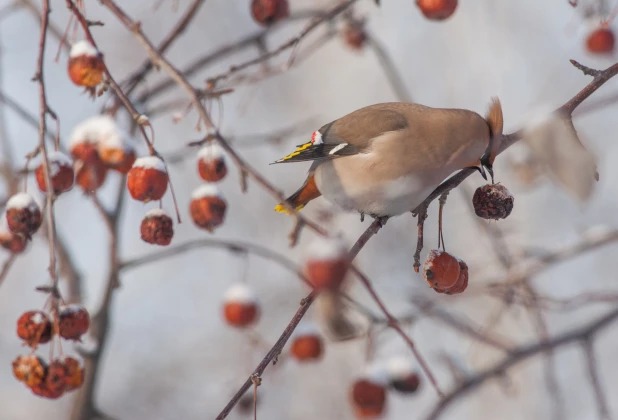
(73, 322)
(157, 228)
(493, 201)
(34, 327)
(74, 377)
(23, 214)
(62, 175)
(30, 369)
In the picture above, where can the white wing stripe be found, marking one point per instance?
(338, 148)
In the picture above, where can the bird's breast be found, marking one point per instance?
(356, 183)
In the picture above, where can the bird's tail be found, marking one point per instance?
(495, 121)
(335, 319)
(300, 198)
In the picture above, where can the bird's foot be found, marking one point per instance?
(381, 220)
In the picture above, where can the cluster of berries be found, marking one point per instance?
(60, 375)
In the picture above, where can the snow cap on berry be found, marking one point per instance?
(83, 48)
(240, 293)
(376, 373)
(306, 328)
(150, 162)
(399, 367)
(206, 190)
(97, 129)
(327, 248)
(210, 151)
(22, 201)
(57, 159)
(156, 213)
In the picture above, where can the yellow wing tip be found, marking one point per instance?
(281, 209)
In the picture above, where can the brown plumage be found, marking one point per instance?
(385, 159)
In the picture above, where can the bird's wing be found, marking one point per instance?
(350, 134)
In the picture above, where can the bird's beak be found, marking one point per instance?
(481, 169)
(486, 164)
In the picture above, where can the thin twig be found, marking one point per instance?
(518, 356)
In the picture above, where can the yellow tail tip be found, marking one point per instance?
(281, 209)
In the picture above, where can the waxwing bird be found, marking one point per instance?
(385, 159)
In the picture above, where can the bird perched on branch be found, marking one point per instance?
(385, 159)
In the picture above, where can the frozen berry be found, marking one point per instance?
(90, 176)
(492, 201)
(402, 376)
(307, 345)
(211, 163)
(23, 214)
(208, 207)
(437, 9)
(354, 35)
(327, 263)
(601, 41)
(112, 146)
(441, 269)
(368, 398)
(157, 228)
(74, 377)
(61, 173)
(240, 306)
(86, 65)
(12, 242)
(34, 327)
(54, 384)
(30, 369)
(267, 12)
(462, 281)
(147, 179)
(73, 322)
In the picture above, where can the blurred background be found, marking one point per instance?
(168, 353)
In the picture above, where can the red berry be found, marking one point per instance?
(307, 346)
(86, 65)
(147, 179)
(23, 214)
(34, 327)
(73, 322)
(74, 377)
(157, 228)
(402, 376)
(601, 41)
(208, 207)
(354, 35)
(90, 176)
(441, 269)
(240, 308)
(13, 242)
(54, 385)
(493, 201)
(30, 369)
(211, 163)
(61, 173)
(368, 398)
(437, 9)
(267, 12)
(327, 263)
